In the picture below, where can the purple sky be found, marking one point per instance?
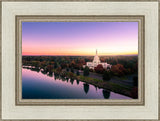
(79, 38)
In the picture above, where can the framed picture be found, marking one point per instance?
(115, 81)
(79, 60)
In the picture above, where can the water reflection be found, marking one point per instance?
(43, 72)
(72, 80)
(95, 87)
(67, 79)
(44, 85)
(56, 76)
(63, 78)
(50, 74)
(86, 88)
(77, 82)
(106, 94)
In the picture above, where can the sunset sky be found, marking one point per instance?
(79, 38)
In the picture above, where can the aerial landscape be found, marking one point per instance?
(79, 60)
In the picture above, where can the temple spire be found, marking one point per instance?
(96, 51)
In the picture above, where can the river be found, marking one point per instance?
(36, 85)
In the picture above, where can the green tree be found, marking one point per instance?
(77, 73)
(86, 71)
(72, 70)
(106, 76)
(55, 65)
(35, 63)
(67, 69)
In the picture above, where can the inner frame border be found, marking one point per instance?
(80, 18)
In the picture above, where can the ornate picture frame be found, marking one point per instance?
(143, 48)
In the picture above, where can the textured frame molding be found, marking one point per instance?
(82, 18)
(75, 1)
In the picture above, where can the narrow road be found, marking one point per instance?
(116, 80)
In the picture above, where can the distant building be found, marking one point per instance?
(96, 61)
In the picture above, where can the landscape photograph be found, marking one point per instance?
(80, 60)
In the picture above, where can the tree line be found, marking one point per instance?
(121, 65)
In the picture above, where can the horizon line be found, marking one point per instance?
(84, 55)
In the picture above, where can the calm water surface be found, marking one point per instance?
(36, 85)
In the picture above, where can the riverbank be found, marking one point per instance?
(117, 88)
(99, 83)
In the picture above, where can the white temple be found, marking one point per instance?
(96, 61)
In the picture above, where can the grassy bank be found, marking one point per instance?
(117, 88)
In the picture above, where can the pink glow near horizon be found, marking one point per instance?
(79, 38)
